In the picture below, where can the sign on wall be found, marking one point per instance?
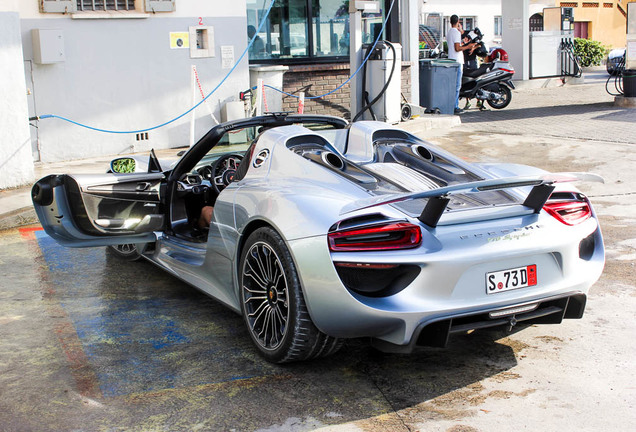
(179, 40)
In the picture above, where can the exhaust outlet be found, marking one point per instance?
(332, 160)
(422, 152)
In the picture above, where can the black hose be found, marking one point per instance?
(618, 81)
(377, 98)
(365, 93)
(568, 55)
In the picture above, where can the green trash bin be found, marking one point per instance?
(629, 83)
(438, 83)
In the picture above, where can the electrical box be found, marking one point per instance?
(567, 18)
(630, 51)
(388, 108)
(201, 41)
(233, 110)
(545, 50)
(558, 19)
(48, 46)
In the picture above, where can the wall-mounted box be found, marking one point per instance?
(201, 41)
(48, 46)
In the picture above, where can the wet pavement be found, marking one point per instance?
(89, 342)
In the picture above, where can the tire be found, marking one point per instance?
(504, 101)
(407, 112)
(127, 252)
(272, 303)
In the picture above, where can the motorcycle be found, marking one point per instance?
(490, 82)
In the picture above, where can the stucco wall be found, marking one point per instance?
(16, 164)
(122, 75)
(605, 24)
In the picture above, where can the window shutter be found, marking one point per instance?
(58, 6)
(160, 5)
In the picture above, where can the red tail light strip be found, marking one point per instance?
(392, 236)
(569, 212)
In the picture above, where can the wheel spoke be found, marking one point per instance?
(274, 328)
(261, 266)
(255, 291)
(281, 319)
(258, 312)
(256, 277)
(263, 334)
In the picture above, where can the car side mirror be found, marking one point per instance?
(124, 165)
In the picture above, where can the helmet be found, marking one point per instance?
(497, 54)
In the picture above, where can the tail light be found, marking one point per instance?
(569, 208)
(400, 235)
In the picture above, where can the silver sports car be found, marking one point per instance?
(324, 230)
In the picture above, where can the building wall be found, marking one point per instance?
(606, 20)
(319, 79)
(122, 75)
(484, 11)
(16, 163)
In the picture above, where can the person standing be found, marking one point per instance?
(257, 50)
(455, 48)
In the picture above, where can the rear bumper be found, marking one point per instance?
(437, 333)
(449, 294)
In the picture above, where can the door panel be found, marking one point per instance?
(93, 210)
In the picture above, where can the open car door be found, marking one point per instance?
(100, 210)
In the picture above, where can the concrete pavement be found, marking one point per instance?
(88, 342)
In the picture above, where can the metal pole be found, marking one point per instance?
(355, 59)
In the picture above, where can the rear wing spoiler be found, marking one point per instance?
(542, 187)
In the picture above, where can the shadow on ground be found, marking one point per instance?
(129, 346)
(491, 115)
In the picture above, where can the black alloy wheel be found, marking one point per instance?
(504, 100)
(127, 252)
(273, 305)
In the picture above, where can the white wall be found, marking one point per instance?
(122, 75)
(484, 11)
(184, 8)
(16, 164)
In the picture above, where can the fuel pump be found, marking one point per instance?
(376, 92)
(381, 83)
(629, 75)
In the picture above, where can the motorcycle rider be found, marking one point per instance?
(455, 52)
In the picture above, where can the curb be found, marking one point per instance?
(18, 218)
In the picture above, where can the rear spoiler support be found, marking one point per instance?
(438, 198)
(436, 205)
(434, 210)
(538, 196)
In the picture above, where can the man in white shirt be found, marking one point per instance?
(454, 41)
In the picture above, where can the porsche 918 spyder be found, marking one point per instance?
(324, 230)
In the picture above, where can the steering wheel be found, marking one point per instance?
(224, 170)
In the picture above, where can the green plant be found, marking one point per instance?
(124, 165)
(590, 52)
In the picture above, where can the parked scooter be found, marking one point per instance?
(490, 82)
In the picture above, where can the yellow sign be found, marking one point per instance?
(179, 40)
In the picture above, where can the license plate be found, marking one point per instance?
(506, 280)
